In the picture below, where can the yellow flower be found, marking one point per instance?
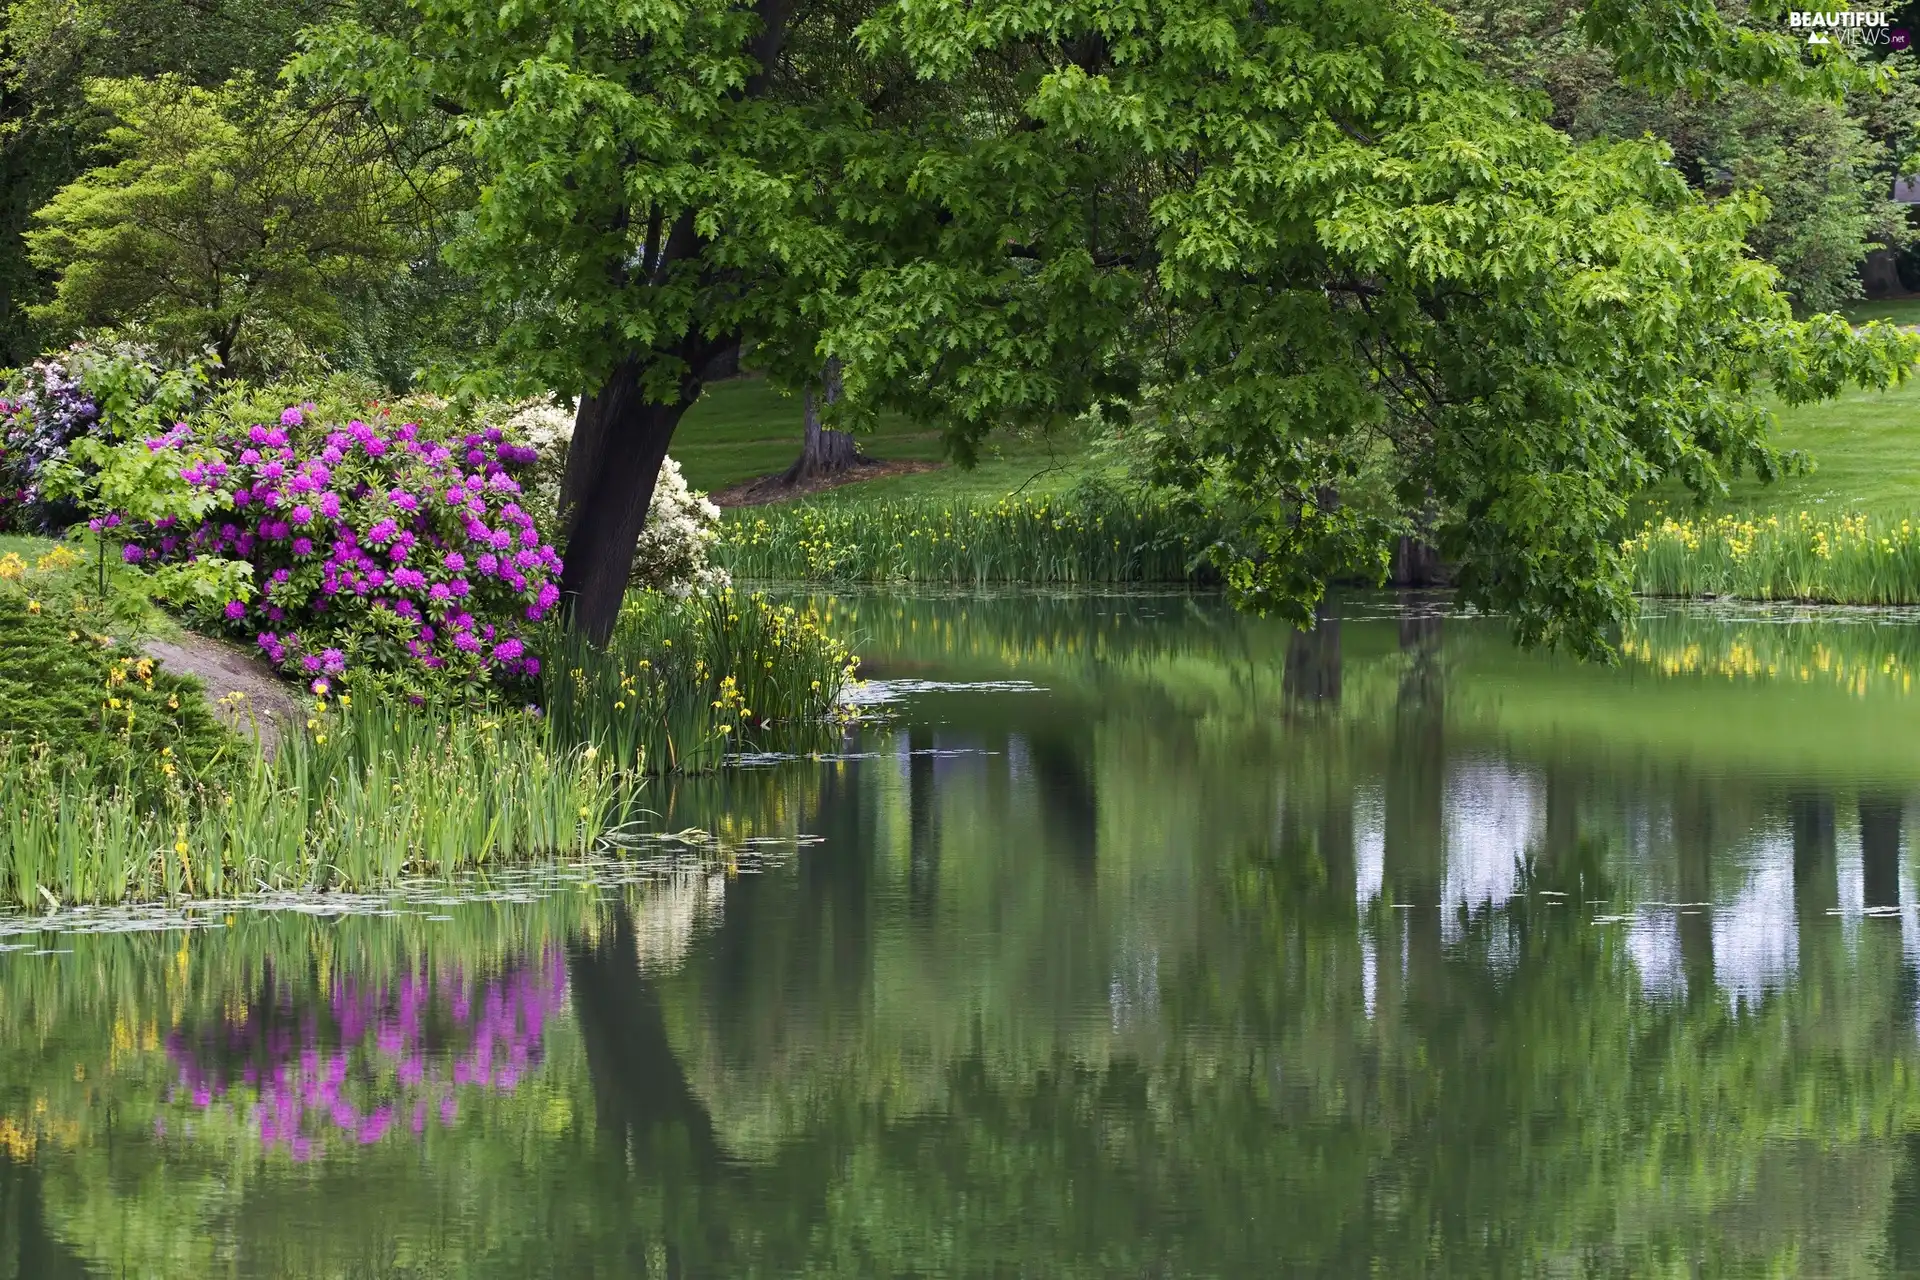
(12, 567)
(33, 606)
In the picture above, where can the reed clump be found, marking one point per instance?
(1849, 559)
(1089, 535)
(684, 682)
(364, 797)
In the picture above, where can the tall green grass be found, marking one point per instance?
(1846, 560)
(683, 682)
(1084, 536)
(364, 798)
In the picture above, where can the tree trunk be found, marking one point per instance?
(619, 442)
(826, 452)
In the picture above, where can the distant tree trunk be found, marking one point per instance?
(826, 452)
(1880, 274)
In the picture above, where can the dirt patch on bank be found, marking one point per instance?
(774, 488)
(242, 690)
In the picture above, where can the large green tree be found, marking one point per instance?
(1826, 166)
(1309, 243)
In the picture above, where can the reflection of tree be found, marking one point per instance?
(641, 1096)
(28, 1250)
(924, 1047)
(1880, 850)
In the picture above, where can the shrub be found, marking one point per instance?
(45, 410)
(682, 525)
(97, 709)
(378, 550)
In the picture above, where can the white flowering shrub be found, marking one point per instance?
(682, 525)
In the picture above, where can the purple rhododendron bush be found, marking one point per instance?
(386, 545)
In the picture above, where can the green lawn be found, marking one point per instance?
(1865, 447)
(743, 429)
(1898, 310)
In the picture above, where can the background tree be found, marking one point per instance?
(1313, 245)
(1826, 166)
(825, 451)
(51, 49)
(236, 219)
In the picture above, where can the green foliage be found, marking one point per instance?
(51, 49)
(91, 708)
(232, 219)
(1825, 163)
(1303, 244)
(681, 683)
(1091, 534)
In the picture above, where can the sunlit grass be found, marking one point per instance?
(1108, 538)
(1846, 560)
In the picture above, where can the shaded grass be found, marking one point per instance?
(1897, 310)
(743, 429)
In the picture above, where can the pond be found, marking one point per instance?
(1127, 936)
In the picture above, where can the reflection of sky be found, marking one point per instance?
(1756, 945)
(1653, 941)
(1369, 843)
(1852, 871)
(1492, 813)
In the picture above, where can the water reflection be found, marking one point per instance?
(1186, 946)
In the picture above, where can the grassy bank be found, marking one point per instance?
(118, 783)
(1087, 536)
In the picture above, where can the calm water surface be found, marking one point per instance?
(1139, 939)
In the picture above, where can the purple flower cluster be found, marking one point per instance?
(410, 553)
(50, 412)
(387, 1056)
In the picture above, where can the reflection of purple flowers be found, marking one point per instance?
(389, 1054)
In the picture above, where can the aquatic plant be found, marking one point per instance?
(1848, 559)
(1088, 536)
(683, 682)
(365, 796)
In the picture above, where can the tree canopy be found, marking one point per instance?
(1343, 276)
